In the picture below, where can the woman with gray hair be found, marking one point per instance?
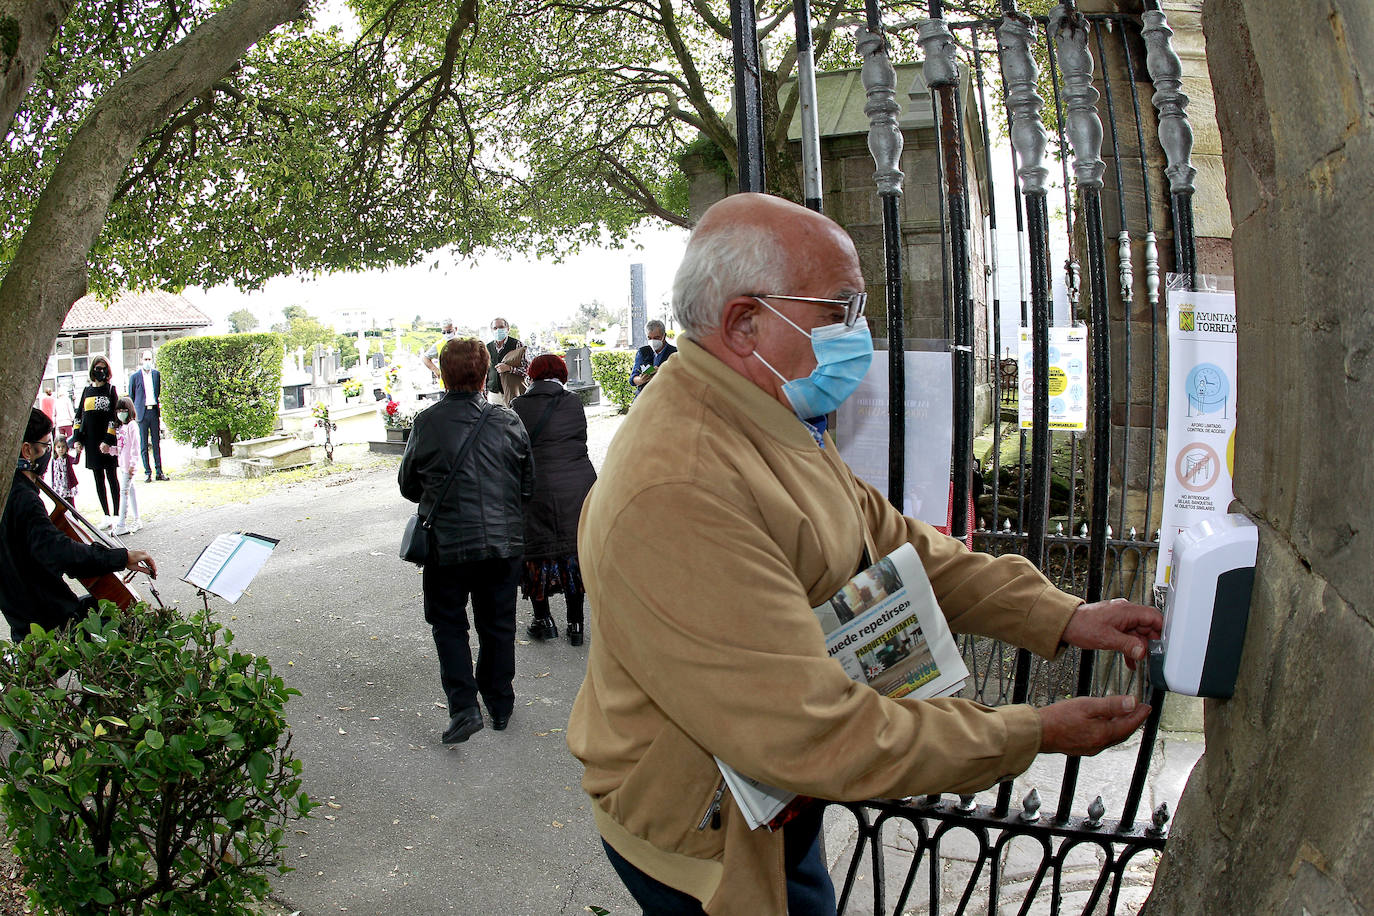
(650, 356)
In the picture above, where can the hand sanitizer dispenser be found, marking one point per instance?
(1207, 608)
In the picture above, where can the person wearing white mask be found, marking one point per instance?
(723, 514)
(508, 376)
(145, 388)
(431, 355)
(651, 356)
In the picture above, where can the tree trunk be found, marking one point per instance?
(49, 270)
(27, 30)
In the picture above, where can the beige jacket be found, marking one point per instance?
(716, 525)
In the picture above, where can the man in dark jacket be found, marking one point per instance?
(650, 356)
(145, 387)
(34, 555)
(506, 370)
(478, 534)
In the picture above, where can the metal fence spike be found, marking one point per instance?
(1133, 533)
(966, 805)
(1006, 525)
(1095, 812)
(1059, 529)
(1160, 818)
(1083, 530)
(1109, 531)
(1030, 807)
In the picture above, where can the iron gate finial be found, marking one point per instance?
(1166, 72)
(1028, 136)
(1070, 31)
(882, 108)
(939, 66)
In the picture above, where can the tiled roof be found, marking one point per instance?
(134, 311)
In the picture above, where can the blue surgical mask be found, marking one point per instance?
(842, 358)
(501, 333)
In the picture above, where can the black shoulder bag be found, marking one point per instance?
(417, 542)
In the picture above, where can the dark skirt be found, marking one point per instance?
(541, 578)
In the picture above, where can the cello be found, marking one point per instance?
(108, 586)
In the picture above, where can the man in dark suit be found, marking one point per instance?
(145, 387)
(650, 356)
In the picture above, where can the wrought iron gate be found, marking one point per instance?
(1099, 543)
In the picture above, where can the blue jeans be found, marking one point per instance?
(809, 889)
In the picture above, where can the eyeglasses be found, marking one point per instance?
(853, 304)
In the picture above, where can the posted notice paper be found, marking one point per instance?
(227, 566)
(1202, 415)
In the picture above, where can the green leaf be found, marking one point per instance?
(40, 799)
(153, 738)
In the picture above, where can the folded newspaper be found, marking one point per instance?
(887, 631)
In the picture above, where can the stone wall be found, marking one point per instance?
(1279, 814)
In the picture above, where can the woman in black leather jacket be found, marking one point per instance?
(478, 535)
(557, 425)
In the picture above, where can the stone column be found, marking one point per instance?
(1278, 816)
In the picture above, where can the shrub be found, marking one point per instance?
(158, 781)
(611, 370)
(218, 389)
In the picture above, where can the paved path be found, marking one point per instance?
(494, 826)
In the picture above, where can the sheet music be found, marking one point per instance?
(228, 565)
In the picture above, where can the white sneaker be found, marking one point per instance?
(120, 531)
(105, 522)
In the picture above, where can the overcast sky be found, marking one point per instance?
(527, 292)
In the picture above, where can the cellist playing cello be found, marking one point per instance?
(34, 554)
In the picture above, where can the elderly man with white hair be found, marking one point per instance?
(651, 356)
(723, 514)
(431, 355)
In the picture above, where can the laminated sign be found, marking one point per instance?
(1202, 414)
(1068, 382)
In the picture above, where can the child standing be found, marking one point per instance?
(126, 449)
(62, 471)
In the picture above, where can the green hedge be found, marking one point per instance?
(157, 781)
(219, 389)
(611, 370)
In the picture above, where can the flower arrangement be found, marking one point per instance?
(352, 389)
(395, 417)
(320, 411)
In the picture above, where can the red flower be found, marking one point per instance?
(391, 408)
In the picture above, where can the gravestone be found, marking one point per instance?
(580, 381)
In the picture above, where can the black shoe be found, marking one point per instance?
(162, 476)
(463, 725)
(543, 628)
(147, 478)
(574, 634)
(499, 723)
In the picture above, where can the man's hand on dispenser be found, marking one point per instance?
(1117, 625)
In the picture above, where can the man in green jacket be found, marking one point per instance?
(703, 641)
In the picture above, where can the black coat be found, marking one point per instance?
(563, 471)
(34, 556)
(482, 516)
(95, 426)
